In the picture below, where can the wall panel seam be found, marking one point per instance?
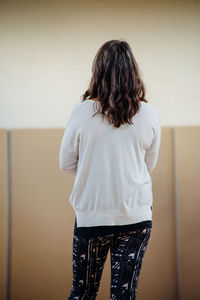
(176, 215)
(8, 281)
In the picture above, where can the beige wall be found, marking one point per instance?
(47, 48)
(42, 219)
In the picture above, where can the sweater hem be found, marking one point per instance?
(96, 218)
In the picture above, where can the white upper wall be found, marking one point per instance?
(47, 49)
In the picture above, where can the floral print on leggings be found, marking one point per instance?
(127, 251)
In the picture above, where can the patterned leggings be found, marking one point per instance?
(127, 250)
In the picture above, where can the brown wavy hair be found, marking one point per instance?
(116, 83)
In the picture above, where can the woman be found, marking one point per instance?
(111, 144)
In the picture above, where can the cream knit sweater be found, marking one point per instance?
(111, 165)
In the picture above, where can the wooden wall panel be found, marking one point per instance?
(188, 174)
(42, 218)
(42, 222)
(3, 212)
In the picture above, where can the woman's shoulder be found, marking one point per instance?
(150, 109)
(76, 106)
(148, 105)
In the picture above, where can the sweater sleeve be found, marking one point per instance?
(69, 149)
(151, 155)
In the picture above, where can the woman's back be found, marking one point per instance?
(112, 165)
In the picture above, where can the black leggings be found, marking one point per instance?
(127, 250)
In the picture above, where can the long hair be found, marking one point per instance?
(116, 83)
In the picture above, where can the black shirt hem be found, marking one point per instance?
(109, 229)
